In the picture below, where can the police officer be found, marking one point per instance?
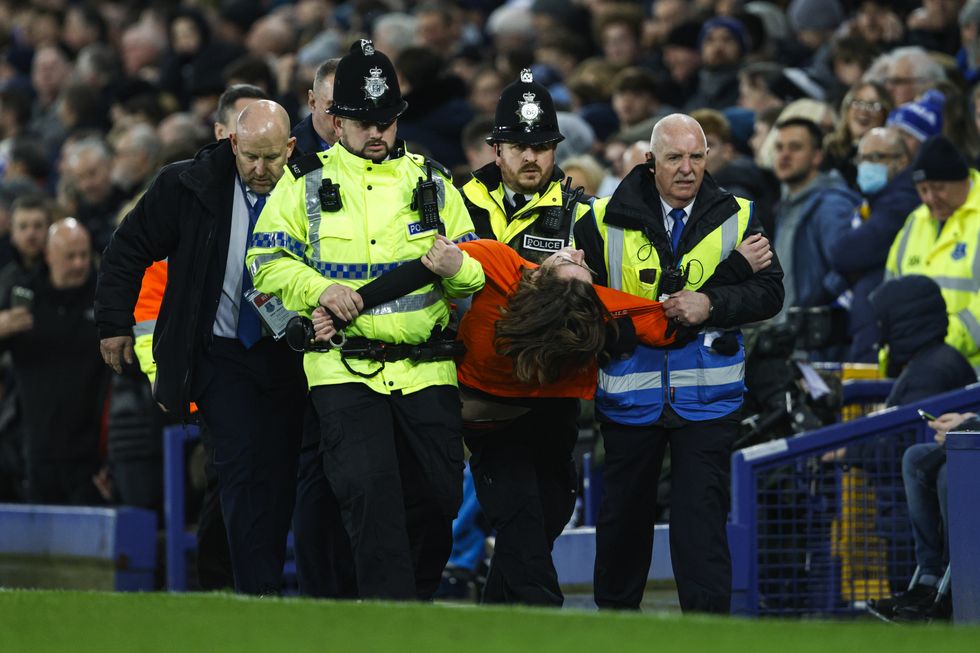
(659, 223)
(523, 472)
(387, 400)
(518, 199)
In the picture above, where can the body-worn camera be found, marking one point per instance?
(330, 196)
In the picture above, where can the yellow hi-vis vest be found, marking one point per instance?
(699, 383)
(951, 258)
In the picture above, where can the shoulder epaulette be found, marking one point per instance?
(422, 160)
(305, 164)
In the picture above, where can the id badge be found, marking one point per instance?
(274, 315)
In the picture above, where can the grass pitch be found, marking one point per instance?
(38, 621)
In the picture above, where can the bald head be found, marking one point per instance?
(679, 150)
(262, 144)
(69, 254)
(669, 127)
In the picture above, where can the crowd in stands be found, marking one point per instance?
(851, 124)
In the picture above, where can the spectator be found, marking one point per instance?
(864, 107)
(934, 240)
(919, 120)
(50, 71)
(88, 174)
(736, 172)
(906, 72)
(912, 318)
(758, 87)
(84, 26)
(933, 26)
(958, 124)
(437, 27)
(968, 57)
(142, 50)
(586, 172)
(479, 152)
(393, 32)
(850, 58)
(636, 98)
(815, 210)
(29, 222)
(51, 336)
(876, 22)
(814, 21)
(723, 43)
(682, 59)
(820, 113)
(618, 32)
(136, 159)
(485, 90)
(271, 36)
(231, 104)
(315, 133)
(884, 177)
(193, 56)
(437, 107)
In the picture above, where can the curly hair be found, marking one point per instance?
(551, 325)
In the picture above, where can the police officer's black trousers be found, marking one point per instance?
(700, 454)
(324, 563)
(526, 484)
(395, 463)
(253, 403)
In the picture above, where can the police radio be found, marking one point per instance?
(672, 280)
(330, 196)
(425, 200)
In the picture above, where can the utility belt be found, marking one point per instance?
(436, 348)
(441, 345)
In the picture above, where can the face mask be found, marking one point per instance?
(872, 177)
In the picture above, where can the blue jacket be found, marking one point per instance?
(859, 255)
(827, 207)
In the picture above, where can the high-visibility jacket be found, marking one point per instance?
(298, 250)
(628, 245)
(949, 254)
(525, 231)
(145, 313)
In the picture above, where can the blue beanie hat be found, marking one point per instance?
(922, 118)
(732, 25)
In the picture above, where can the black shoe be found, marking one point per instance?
(940, 609)
(918, 599)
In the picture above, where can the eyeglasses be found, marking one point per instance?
(867, 106)
(876, 157)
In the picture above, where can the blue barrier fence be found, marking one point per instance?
(819, 524)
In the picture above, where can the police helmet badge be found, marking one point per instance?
(528, 109)
(367, 47)
(375, 85)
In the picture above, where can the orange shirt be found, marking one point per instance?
(483, 369)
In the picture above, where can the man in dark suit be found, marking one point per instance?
(315, 132)
(209, 342)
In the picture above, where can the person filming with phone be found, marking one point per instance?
(58, 369)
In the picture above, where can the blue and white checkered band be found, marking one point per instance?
(375, 85)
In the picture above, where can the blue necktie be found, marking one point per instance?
(677, 215)
(249, 328)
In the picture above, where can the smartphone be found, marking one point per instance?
(926, 416)
(21, 297)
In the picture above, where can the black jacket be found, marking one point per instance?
(307, 140)
(911, 318)
(60, 375)
(185, 217)
(636, 205)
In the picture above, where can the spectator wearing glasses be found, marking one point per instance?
(906, 73)
(885, 180)
(864, 107)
